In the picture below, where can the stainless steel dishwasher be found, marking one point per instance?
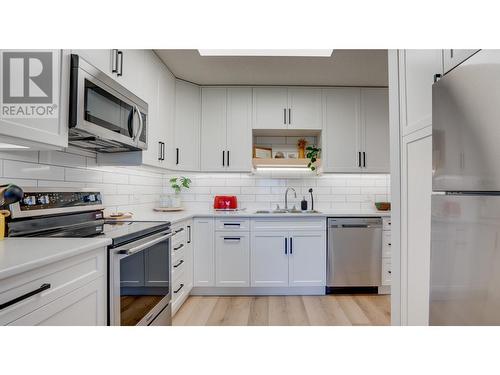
(354, 252)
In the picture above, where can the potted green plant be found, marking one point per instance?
(313, 156)
(177, 184)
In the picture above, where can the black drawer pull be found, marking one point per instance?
(179, 247)
(178, 264)
(24, 296)
(178, 290)
(232, 224)
(179, 230)
(389, 272)
(232, 238)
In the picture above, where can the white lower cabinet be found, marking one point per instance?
(203, 244)
(269, 259)
(307, 259)
(232, 259)
(69, 292)
(181, 263)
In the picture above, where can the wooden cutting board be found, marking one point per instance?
(168, 209)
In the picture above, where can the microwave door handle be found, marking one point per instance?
(141, 124)
(143, 246)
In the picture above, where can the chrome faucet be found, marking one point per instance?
(286, 196)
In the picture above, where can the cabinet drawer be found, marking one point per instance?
(386, 272)
(63, 277)
(232, 224)
(179, 237)
(178, 268)
(85, 306)
(178, 251)
(386, 223)
(179, 288)
(288, 224)
(386, 244)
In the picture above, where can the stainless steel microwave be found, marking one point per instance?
(103, 115)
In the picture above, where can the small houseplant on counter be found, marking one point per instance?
(313, 156)
(177, 184)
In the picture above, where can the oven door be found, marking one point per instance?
(139, 282)
(102, 108)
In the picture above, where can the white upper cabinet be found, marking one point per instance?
(239, 129)
(32, 131)
(153, 155)
(287, 108)
(341, 133)
(375, 125)
(304, 108)
(356, 130)
(418, 71)
(187, 126)
(213, 128)
(454, 57)
(131, 68)
(270, 107)
(226, 134)
(166, 116)
(103, 59)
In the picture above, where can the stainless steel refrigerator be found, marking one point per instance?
(465, 237)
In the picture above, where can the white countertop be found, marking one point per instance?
(175, 217)
(19, 255)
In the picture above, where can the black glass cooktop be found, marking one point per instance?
(120, 232)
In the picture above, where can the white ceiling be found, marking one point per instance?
(343, 68)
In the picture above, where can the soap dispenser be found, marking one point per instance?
(303, 204)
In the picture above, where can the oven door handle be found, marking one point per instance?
(143, 246)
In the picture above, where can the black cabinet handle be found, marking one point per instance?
(189, 235)
(227, 158)
(223, 158)
(114, 64)
(359, 159)
(120, 73)
(286, 246)
(284, 116)
(163, 151)
(178, 264)
(232, 224)
(437, 77)
(179, 247)
(178, 230)
(389, 272)
(364, 159)
(232, 238)
(25, 296)
(291, 245)
(289, 116)
(178, 290)
(159, 150)
(177, 156)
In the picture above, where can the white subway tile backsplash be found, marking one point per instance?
(83, 175)
(63, 159)
(18, 169)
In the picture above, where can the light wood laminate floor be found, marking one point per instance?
(284, 310)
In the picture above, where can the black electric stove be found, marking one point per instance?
(49, 213)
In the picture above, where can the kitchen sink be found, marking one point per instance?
(286, 212)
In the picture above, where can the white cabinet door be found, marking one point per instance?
(307, 259)
(102, 59)
(454, 57)
(152, 156)
(418, 68)
(416, 192)
(270, 108)
(269, 259)
(304, 108)
(232, 259)
(203, 242)
(187, 126)
(239, 129)
(166, 115)
(341, 133)
(213, 129)
(132, 69)
(85, 306)
(35, 132)
(375, 125)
